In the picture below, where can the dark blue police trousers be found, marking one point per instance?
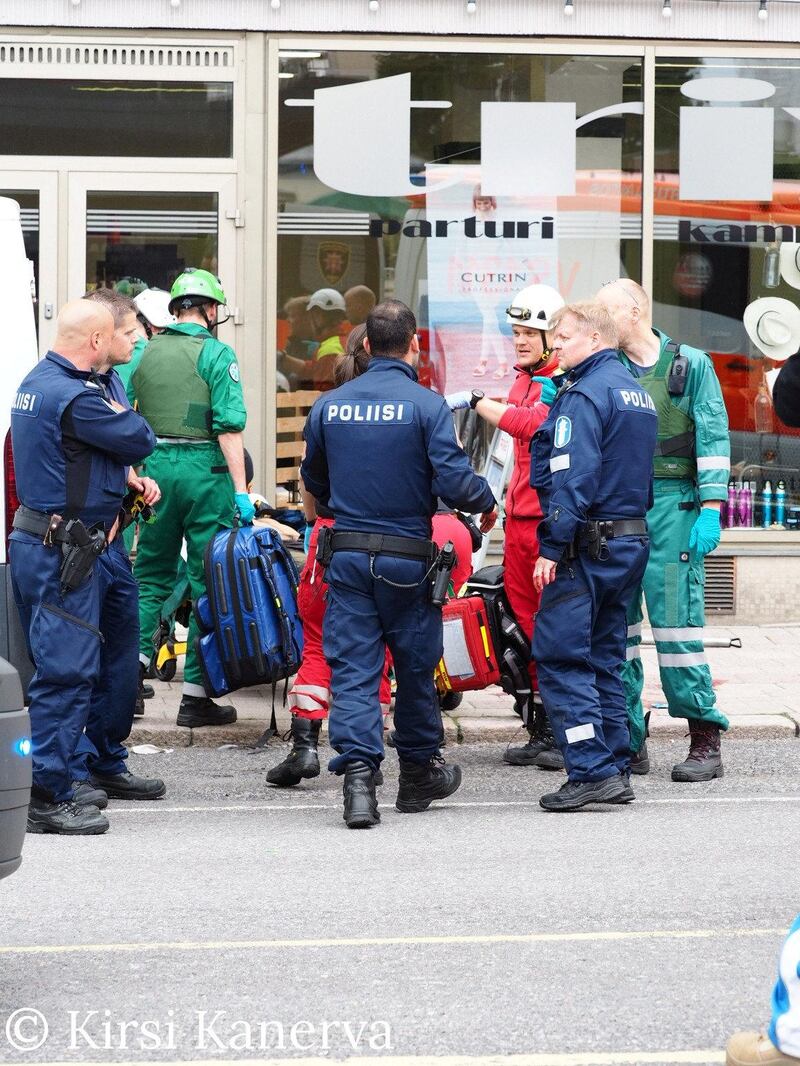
(363, 616)
(101, 749)
(579, 648)
(63, 637)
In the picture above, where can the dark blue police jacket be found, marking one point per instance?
(593, 456)
(71, 448)
(381, 449)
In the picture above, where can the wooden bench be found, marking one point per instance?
(292, 409)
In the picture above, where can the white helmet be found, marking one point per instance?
(326, 300)
(153, 304)
(535, 307)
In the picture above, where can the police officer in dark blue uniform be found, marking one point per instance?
(379, 451)
(100, 768)
(72, 446)
(591, 463)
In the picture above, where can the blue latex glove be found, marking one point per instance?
(549, 390)
(705, 533)
(458, 401)
(244, 505)
(307, 538)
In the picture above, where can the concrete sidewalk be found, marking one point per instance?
(757, 686)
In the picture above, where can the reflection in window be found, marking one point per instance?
(718, 246)
(452, 247)
(93, 118)
(140, 240)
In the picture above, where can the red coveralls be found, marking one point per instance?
(524, 416)
(310, 694)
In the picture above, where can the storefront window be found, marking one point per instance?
(139, 240)
(726, 235)
(94, 118)
(451, 182)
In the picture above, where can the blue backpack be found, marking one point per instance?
(250, 629)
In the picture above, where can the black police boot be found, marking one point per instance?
(422, 783)
(576, 794)
(360, 802)
(127, 786)
(65, 819)
(200, 710)
(84, 794)
(704, 761)
(640, 761)
(302, 761)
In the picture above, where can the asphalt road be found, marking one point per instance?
(482, 931)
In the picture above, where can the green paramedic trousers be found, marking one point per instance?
(196, 502)
(673, 587)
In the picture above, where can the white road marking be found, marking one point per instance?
(390, 941)
(667, 801)
(600, 1058)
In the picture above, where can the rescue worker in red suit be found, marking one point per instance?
(530, 317)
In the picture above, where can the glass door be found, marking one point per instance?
(131, 233)
(36, 194)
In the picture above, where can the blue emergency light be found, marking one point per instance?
(23, 747)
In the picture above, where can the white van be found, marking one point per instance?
(19, 355)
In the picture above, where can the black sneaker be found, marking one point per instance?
(84, 794)
(627, 795)
(65, 819)
(576, 794)
(200, 710)
(422, 783)
(127, 786)
(526, 754)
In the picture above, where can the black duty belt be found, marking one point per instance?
(39, 523)
(381, 543)
(620, 527)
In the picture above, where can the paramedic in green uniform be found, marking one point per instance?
(187, 387)
(691, 470)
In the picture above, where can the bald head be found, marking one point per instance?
(629, 306)
(84, 331)
(359, 301)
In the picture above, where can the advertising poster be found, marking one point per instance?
(494, 247)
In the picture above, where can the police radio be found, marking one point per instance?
(678, 372)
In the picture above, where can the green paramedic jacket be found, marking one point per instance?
(699, 415)
(187, 384)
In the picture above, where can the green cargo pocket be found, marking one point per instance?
(697, 595)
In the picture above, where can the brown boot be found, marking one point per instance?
(755, 1049)
(704, 761)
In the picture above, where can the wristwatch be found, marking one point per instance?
(475, 398)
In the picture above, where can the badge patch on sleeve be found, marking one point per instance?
(27, 403)
(563, 433)
(233, 370)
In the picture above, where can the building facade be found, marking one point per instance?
(447, 154)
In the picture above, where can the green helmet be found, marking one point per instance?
(195, 282)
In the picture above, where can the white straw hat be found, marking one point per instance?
(773, 325)
(790, 264)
